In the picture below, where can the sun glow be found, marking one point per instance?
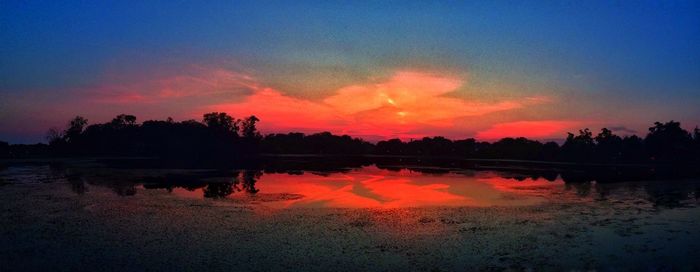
(406, 104)
(380, 109)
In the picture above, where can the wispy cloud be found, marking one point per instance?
(198, 82)
(623, 129)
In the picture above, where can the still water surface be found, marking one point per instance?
(370, 187)
(359, 218)
(363, 187)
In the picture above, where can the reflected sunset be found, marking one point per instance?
(371, 187)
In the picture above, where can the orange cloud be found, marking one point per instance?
(410, 97)
(284, 112)
(394, 108)
(406, 105)
(528, 129)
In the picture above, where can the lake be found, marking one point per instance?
(89, 216)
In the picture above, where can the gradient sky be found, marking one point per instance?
(374, 69)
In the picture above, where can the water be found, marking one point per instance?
(356, 218)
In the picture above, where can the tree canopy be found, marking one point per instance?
(220, 135)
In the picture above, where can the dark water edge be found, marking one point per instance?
(119, 214)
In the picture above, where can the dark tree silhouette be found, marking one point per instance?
(54, 136)
(633, 149)
(220, 137)
(668, 142)
(550, 151)
(515, 148)
(319, 143)
(696, 143)
(466, 147)
(608, 146)
(391, 147)
(123, 120)
(578, 147)
(248, 129)
(221, 122)
(4, 150)
(75, 128)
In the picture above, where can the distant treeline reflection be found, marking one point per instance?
(599, 182)
(220, 136)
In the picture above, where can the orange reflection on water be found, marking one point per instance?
(363, 190)
(371, 187)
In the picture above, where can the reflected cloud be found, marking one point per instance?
(382, 187)
(371, 187)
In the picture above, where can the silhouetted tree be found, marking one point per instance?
(4, 150)
(633, 149)
(248, 129)
(668, 141)
(222, 122)
(75, 128)
(123, 120)
(465, 148)
(696, 143)
(217, 138)
(549, 152)
(318, 143)
(54, 136)
(390, 147)
(578, 147)
(515, 148)
(608, 146)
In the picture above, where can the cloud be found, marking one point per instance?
(623, 129)
(406, 104)
(530, 129)
(396, 107)
(197, 82)
(27, 114)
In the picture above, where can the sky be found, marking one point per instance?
(371, 69)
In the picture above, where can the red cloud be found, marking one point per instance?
(394, 108)
(528, 129)
(405, 105)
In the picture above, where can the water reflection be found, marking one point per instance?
(211, 185)
(381, 186)
(362, 188)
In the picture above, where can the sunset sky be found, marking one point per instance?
(372, 69)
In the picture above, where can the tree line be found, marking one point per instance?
(219, 135)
